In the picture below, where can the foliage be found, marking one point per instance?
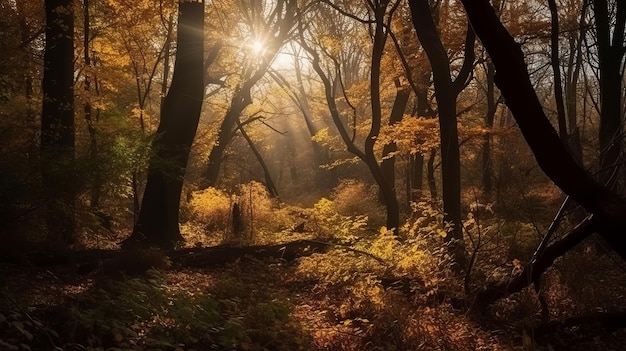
(210, 212)
(210, 207)
(19, 330)
(412, 135)
(330, 224)
(354, 197)
(149, 312)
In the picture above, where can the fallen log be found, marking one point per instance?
(209, 256)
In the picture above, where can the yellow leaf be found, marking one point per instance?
(442, 233)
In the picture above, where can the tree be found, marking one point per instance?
(552, 155)
(610, 32)
(273, 35)
(397, 112)
(57, 118)
(446, 92)
(575, 41)
(381, 12)
(157, 223)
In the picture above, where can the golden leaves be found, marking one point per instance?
(412, 135)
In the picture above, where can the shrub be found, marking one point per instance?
(330, 224)
(209, 212)
(356, 198)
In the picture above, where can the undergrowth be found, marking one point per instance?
(372, 290)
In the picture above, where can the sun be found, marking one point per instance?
(258, 47)
(261, 50)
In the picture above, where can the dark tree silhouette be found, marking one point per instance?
(552, 155)
(157, 223)
(446, 93)
(611, 51)
(57, 119)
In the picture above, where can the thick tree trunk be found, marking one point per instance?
(552, 156)
(57, 119)
(157, 223)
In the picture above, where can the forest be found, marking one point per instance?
(365, 175)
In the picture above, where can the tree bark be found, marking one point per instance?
(157, 223)
(57, 119)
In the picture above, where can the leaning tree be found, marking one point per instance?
(157, 223)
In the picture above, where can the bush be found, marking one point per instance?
(330, 224)
(355, 198)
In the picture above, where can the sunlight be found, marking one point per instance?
(258, 47)
(283, 61)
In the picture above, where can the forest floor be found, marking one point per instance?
(334, 300)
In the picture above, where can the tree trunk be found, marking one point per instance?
(430, 175)
(556, 70)
(610, 56)
(513, 79)
(57, 119)
(269, 183)
(397, 112)
(387, 188)
(87, 107)
(239, 102)
(446, 91)
(487, 176)
(571, 85)
(367, 154)
(157, 223)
